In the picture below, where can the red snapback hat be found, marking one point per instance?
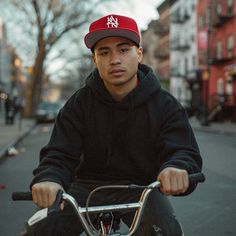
(110, 26)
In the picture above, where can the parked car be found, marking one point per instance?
(47, 111)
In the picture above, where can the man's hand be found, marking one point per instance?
(44, 193)
(173, 181)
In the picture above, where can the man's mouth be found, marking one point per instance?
(117, 72)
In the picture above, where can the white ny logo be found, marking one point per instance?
(111, 22)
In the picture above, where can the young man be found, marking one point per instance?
(122, 127)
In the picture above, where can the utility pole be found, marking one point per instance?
(0, 61)
(1, 29)
(205, 120)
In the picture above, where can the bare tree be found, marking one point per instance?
(45, 23)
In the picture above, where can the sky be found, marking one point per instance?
(143, 11)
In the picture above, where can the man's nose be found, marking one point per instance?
(115, 59)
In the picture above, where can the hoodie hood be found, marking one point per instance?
(148, 85)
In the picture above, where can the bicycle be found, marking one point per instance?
(107, 222)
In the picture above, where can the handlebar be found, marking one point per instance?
(27, 196)
(196, 178)
(81, 211)
(21, 196)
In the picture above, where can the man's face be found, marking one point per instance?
(117, 60)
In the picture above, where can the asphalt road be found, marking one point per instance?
(209, 211)
(16, 173)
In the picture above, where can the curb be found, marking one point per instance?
(213, 131)
(4, 150)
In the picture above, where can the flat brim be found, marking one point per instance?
(93, 37)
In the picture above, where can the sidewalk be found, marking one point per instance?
(227, 128)
(10, 135)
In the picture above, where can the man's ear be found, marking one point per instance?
(140, 54)
(93, 58)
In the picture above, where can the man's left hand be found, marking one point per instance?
(174, 181)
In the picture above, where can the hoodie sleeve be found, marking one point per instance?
(60, 157)
(177, 142)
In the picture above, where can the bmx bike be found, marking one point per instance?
(107, 221)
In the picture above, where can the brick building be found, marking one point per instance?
(149, 44)
(217, 57)
(156, 44)
(163, 45)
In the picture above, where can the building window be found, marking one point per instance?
(194, 61)
(192, 38)
(200, 22)
(219, 50)
(179, 67)
(230, 7)
(230, 46)
(202, 57)
(186, 65)
(229, 87)
(218, 9)
(220, 86)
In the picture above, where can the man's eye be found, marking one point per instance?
(123, 50)
(104, 53)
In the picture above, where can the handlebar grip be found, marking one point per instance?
(22, 196)
(196, 178)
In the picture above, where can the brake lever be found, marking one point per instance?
(55, 207)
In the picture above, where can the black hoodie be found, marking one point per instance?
(95, 137)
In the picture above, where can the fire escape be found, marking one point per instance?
(221, 105)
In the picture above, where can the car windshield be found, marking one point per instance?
(50, 106)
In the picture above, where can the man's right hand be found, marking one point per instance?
(44, 193)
